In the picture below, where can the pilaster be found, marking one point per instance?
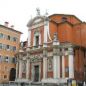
(29, 38)
(20, 69)
(44, 63)
(17, 67)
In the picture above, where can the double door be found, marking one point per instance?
(36, 73)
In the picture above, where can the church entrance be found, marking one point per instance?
(36, 73)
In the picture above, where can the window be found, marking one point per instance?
(0, 58)
(8, 37)
(6, 59)
(1, 46)
(14, 48)
(64, 19)
(4, 46)
(4, 36)
(8, 47)
(13, 60)
(36, 40)
(14, 39)
(11, 48)
(1, 35)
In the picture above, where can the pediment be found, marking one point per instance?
(35, 20)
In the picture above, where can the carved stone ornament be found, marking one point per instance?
(36, 58)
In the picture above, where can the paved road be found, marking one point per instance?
(27, 85)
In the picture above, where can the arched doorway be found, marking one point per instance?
(12, 74)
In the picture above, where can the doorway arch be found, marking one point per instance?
(12, 74)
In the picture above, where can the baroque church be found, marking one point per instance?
(55, 50)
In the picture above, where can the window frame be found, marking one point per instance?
(8, 37)
(8, 48)
(7, 59)
(1, 35)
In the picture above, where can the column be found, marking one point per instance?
(44, 68)
(46, 28)
(17, 70)
(27, 68)
(55, 66)
(44, 63)
(58, 66)
(63, 64)
(56, 63)
(71, 64)
(20, 69)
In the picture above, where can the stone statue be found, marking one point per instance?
(24, 67)
(38, 11)
(55, 37)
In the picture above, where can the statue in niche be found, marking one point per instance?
(38, 11)
(55, 37)
(50, 65)
(24, 67)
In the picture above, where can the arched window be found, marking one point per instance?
(36, 38)
(64, 19)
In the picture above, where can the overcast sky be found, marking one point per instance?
(19, 12)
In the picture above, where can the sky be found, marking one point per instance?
(19, 12)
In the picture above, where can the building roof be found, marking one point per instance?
(10, 29)
(66, 15)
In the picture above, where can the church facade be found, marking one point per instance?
(55, 50)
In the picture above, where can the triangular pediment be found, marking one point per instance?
(35, 20)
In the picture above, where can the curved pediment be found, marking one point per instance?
(36, 20)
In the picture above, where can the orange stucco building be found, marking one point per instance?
(9, 45)
(56, 49)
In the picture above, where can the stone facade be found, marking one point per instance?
(51, 53)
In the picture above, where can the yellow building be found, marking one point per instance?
(9, 45)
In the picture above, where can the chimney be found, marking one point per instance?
(12, 26)
(6, 24)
